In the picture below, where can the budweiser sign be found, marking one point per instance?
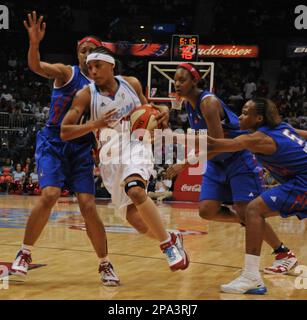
(228, 51)
(190, 188)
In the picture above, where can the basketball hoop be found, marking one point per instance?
(176, 101)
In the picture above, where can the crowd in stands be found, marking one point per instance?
(274, 18)
(290, 94)
(25, 103)
(113, 21)
(21, 178)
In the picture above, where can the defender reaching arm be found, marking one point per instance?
(256, 142)
(36, 30)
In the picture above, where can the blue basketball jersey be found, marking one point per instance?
(61, 97)
(60, 162)
(230, 124)
(230, 177)
(290, 158)
(61, 100)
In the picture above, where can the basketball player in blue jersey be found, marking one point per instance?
(283, 151)
(232, 177)
(125, 181)
(59, 161)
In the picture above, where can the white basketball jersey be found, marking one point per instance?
(124, 102)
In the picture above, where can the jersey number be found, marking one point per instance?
(293, 137)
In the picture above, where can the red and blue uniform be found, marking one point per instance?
(230, 176)
(68, 163)
(288, 165)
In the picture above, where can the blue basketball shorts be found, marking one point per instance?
(289, 198)
(61, 163)
(238, 178)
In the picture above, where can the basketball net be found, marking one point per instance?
(175, 100)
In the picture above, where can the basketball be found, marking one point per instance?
(144, 117)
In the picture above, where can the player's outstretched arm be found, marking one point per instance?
(302, 133)
(256, 143)
(70, 129)
(36, 30)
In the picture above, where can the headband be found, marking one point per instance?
(100, 56)
(89, 39)
(191, 69)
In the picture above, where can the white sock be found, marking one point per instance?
(167, 240)
(252, 265)
(26, 247)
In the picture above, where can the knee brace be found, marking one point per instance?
(134, 183)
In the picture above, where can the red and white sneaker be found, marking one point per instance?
(21, 264)
(108, 275)
(179, 245)
(284, 263)
(175, 254)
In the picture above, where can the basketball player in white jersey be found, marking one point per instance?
(111, 99)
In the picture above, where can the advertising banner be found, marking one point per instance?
(163, 50)
(187, 187)
(227, 51)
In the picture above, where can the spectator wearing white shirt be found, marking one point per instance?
(34, 176)
(18, 180)
(6, 95)
(18, 174)
(249, 89)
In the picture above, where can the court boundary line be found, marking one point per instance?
(143, 257)
(123, 255)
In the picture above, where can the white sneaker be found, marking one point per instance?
(108, 275)
(242, 284)
(179, 245)
(175, 259)
(284, 263)
(21, 264)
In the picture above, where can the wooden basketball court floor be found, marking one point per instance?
(66, 265)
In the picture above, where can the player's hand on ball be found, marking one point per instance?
(163, 118)
(36, 28)
(106, 120)
(174, 170)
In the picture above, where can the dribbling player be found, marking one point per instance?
(126, 182)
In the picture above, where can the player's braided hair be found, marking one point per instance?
(268, 109)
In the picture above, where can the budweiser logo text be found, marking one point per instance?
(228, 51)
